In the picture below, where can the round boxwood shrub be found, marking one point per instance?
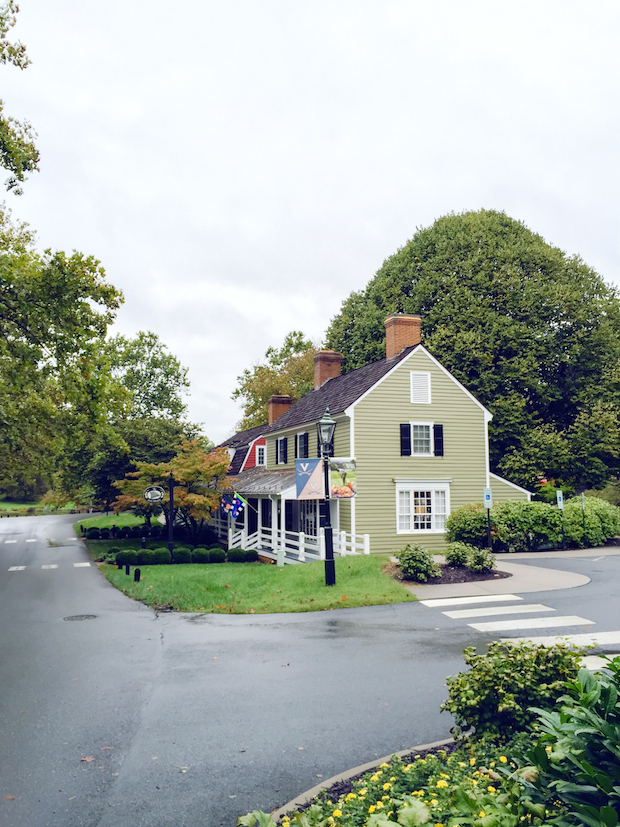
(160, 557)
(416, 563)
(217, 545)
(236, 555)
(251, 556)
(467, 524)
(200, 555)
(182, 555)
(481, 560)
(217, 555)
(123, 533)
(145, 557)
(127, 557)
(105, 533)
(456, 554)
(93, 533)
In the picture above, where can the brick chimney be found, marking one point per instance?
(401, 331)
(278, 404)
(326, 366)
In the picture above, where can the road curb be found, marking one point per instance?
(304, 798)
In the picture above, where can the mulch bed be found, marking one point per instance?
(448, 575)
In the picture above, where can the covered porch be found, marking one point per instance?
(281, 527)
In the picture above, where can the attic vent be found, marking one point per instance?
(420, 387)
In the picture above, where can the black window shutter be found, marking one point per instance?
(297, 447)
(405, 440)
(438, 440)
(284, 450)
(305, 445)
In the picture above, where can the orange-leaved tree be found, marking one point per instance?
(199, 480)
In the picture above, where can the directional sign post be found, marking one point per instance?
(488, 504)
(560, 500)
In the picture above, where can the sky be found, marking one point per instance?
(240, 166)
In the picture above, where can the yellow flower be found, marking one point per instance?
(422, 760)
(350, 796)
(462, 764)
(441, 783)
(418, 792)
(371, 809)
(434, 802)
(491, 789)
(407, 768)
(363, 792)
(443, 775)
(503, 759)
(392, 778)
(385, 798)
(374, 777)
(387, 786)
(337, 813)
(438, 824)
(379, 804)
(481, 813)
(384, 765)
(472, 761)
(492, 764)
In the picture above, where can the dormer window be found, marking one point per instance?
(261, 455)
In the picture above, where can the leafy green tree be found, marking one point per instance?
(287, 370)
(533, 333)
(153, 379)
(18, 153)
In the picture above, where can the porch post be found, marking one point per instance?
(343, 543)
(281, 533)
(366, 543)
(302, 547)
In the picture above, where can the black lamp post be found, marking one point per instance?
(325, 432)
(171, 514)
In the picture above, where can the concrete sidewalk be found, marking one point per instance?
(523, 580)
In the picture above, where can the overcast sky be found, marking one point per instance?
(240, 166)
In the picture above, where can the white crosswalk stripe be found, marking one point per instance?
(50, 566)
(80, 565)
(584, 639)
(531, 623)
(31, 541)
(489, 611)
(467, 601)
(17, 568)
(10, 541)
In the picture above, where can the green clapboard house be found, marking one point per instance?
(419, 440)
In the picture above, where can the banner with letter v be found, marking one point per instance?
(309, 479)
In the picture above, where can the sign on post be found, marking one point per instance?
(488, 498)
(560, 498)
(154, 494)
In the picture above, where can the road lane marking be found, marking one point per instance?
(465, 601)
(80, 565)
(17, 568)
(31, 541)
(585, 639)
(489, 611)
(51, 566)
(531, 623)
(10, 541)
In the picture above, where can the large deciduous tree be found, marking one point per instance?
(287, 370)
(532, 332)
(18, 153)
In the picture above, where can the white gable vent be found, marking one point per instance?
(420, 387)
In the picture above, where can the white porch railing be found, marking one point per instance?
(297, 547)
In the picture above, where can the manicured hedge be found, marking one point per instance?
(127, 557)
(217, 555)
(200, 555)
(182, 555)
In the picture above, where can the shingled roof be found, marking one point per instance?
(337, 393)
(241, 443)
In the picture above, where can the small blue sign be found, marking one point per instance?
(488, 498)
(560, 498)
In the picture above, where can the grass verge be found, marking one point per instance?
(101, 521)
(231, 588)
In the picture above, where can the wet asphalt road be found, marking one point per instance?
(196, 719)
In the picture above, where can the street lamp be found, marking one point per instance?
(171, 514)
(325, 428)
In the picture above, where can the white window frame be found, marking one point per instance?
(279, 441)
(297, 439)
(416, 392)
(261, 449)
(431, 431)
(439, 491)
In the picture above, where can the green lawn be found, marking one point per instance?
(260, 588)
(7, 505)
(101, 521)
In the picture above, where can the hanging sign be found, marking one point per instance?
(154, 494)
(343, 478)
(309, 479)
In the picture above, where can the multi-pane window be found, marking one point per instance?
(421, 443)
(301, 446)
(261, 455)
(421, 508)
(281, 451)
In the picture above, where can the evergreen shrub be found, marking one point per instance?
(467, 524)
(145, 557)
(602, 521)
(481, 560)
(127, 557)
(236, 555)
(456, 554)
(494, 697)
(104, 533)
(93, 533)
(251, 556)
(182, 554)
(217, 555)
(160, 557)
(416, 563)
(200, 555)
